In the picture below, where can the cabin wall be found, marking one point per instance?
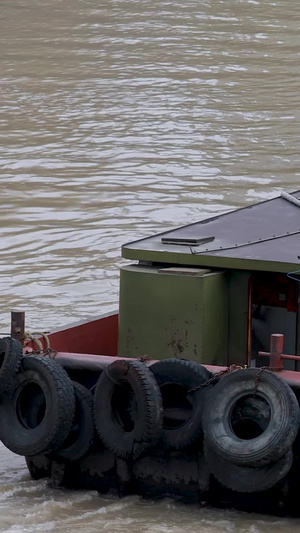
(209, 316)
(238, 331)
(173, 312)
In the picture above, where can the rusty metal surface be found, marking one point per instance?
(84, 360)
(268, 232)
(18, 325)
(276, 349)
(275, 354)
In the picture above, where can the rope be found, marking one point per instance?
(30, 336)
(48, 351)
(41, 334)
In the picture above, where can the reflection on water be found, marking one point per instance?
(118, 120)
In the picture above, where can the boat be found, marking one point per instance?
(191, 388)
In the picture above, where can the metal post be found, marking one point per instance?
(17, 330)
(276, 350)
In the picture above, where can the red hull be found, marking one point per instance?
(99, 337)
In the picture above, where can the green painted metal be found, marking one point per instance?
(201, 261)
(238, 327)
(262, 237)
(200, 308)
(174, 312)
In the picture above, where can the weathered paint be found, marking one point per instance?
(173, 312)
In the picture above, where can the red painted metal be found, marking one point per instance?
(276, 349)
(292, 357)
(97, 363)
(99, 336)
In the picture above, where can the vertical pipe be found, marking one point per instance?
(276, 350)
(17, 329)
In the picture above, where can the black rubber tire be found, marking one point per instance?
(175, 474)
(182, 415)
(81, 436)
(267, 434)
(26, 430)
(128, 408)
(39, 466)
(165, 472)
(247, 479)
(11, 353)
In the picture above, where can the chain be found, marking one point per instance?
(274, 368)
(144, 358)
(227, 370)
(260, 371)
(49, 352)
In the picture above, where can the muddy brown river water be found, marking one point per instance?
(119, 119)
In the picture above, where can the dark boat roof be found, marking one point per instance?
(263, 236)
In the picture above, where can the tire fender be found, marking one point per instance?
(263, 436)
(81, 435)
(37, 412)
(245, 479)
(11, 353)
(128, 408)
(182, 415)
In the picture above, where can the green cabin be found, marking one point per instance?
(214, 291)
